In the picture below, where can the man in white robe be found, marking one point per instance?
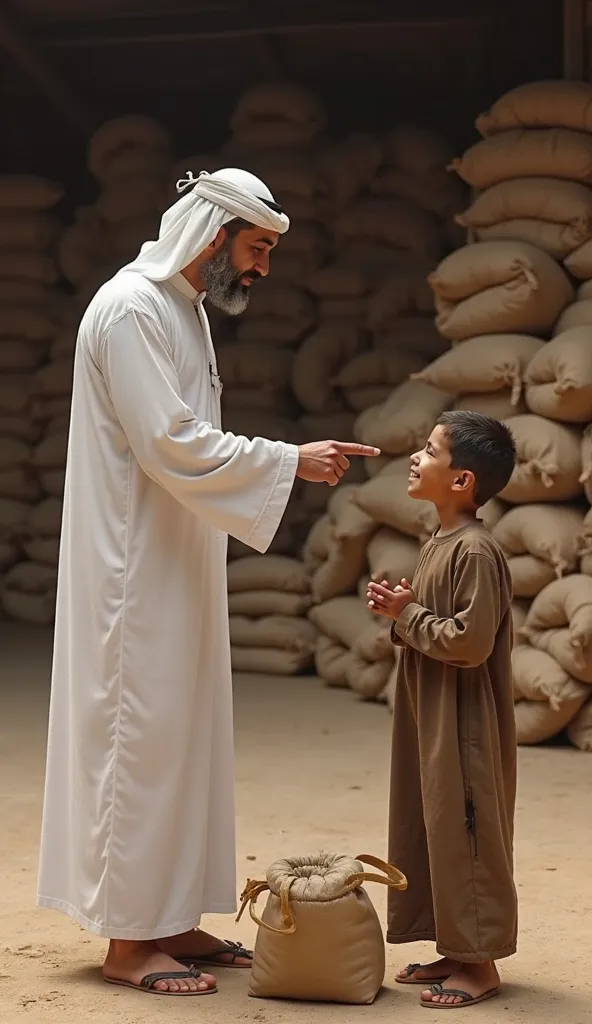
(138, 820)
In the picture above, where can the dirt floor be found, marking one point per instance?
(312, 773)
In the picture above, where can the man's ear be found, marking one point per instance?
(219, 240)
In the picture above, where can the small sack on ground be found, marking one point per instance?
(319, 938)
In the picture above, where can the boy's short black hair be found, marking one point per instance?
(483, 445)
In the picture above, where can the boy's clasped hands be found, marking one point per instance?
(390, 603)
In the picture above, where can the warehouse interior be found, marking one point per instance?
(353, 113)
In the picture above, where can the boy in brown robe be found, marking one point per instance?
(454, 741)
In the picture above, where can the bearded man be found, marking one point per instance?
(138, 822)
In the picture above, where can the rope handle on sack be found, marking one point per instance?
(391, 877)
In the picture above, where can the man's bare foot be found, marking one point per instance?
(474, 979)
(132, 961)
(429, 972)
(199, 944)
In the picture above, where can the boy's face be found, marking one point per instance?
(431, 477)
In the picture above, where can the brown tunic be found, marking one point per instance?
(453, 783)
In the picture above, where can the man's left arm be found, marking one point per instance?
(466, 638)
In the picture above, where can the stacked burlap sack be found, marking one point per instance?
(129, 158)
(268, 600)
(32, 312)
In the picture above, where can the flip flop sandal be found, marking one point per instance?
(149, 981)
(410, 980)
(465, 998)
(214, 959)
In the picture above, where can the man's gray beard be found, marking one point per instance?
(222, 283)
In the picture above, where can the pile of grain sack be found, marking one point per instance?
(33, 313)
(515, 306)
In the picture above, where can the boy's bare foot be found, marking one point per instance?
(132, 961)
(436, 971)
(199, 944)
(475, 979)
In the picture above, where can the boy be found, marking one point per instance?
(454, 742)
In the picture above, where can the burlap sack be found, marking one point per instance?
(579, 314)
(117, 141)
(403, 423)
(283, 632)
(586, 452)
(317, 544)
(319, 936)
(19, 355)
(358, 269)
(278, 114)
(319, 358)
(44, 550)
(552, 201)
(529, 575)
(13, 454)
(498, 287)
(498, 404)
(33, 324)
(331, 660)
(378, 367)
(336, 425)
(54, 379)
(25, 229)
(53, 481)
(375, 465)
(548, 532)
(343, 619)
(257, 423)
(584, 544)
(271, 661)
(13, 519)
(386, 501)
(342, 569)
(347, 167)
(560, 623)
(51, 453)
(259, 366)
(259, 603)
(537, 676)
(417, 333)
(28, 192)
(368, 679)
(584, 292)
(29, 593)
(537, 721)
(25, 429)
(392, 556)
(557, 240)
(556, 103)
(579, 262)
(280, 404)
(19, 484)
(401, 225)
(487, 363)
(579, 730)
(315, 497)
(437, 192)
(374, 642)
(360, 399)
(558, 379)
(549, 461)
(281, 302)
(28, 265)
(267, 572)
(519, 153)
(519, 609)
(404, 293)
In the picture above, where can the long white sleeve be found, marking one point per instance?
(238, 485)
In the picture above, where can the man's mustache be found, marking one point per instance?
(252, 275)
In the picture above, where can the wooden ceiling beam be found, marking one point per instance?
(64, 99)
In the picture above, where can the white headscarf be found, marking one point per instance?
(188, 227)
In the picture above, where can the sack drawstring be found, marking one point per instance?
(391, 877)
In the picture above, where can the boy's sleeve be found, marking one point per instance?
(395, 638)
(466, 639)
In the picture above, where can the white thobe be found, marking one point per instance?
(138, 822)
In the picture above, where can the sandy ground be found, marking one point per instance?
(312, 773)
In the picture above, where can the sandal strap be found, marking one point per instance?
(237, 949)
(439, 990)
(411, 969)
(149, 980)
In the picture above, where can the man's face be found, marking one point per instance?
(235, 265)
